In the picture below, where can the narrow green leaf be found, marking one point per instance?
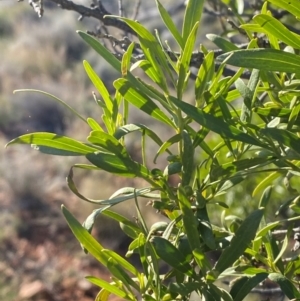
(187, 158)
(286, 285)
(204, 76)
(54, 141)
(183, 64)
(108, 142)
(89, 222)
(264, 200)
(248, 94)
(291, 6)
(273, 111)
(116, 64)
(243, 237)
(99, 85)
(164, 147)
(141, 101)
(184, 289)
(122, 220)
(167, 252)
(293, 116)
(84, 237)
(222, 43)
(121, 166)
(189, 220)
(253, 27)
(202, 260)
(152, 50)
(126, 59)
(133, 127)
(148, 69)
(215, 124)
(241, 290)
(192, 15)
(266, 182)
(113, 289)
(95, 126)
(226, 184)
(233, 167)
(278, 30)
(170, 24)
(205, 228)
(104, 52)
(284, 137)
(263, 59)
(117, 271)
(220, 292)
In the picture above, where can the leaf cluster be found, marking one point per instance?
(256, 125)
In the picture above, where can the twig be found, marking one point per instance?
(98, 12)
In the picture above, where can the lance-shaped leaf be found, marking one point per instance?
(278, 30)
(121, 166)
(283, 136)
(113, 289)
(262, 59)
(99, 85)
(222, 43)
(133, 127)
(286, 285)
(291, 6)
(141, 101)
(108, 142)
(85, 238)
(204, 76)
(187, 158)
(152, 51)
(189, 220)
(243, 237)
(244, 285)
(192, 15)
(172, 256)
(54, 141)
(215, 124)
(170, 24)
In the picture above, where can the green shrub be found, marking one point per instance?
(255, 135)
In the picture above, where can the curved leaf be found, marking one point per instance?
(55, 141)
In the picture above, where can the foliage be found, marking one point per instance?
(256, 125)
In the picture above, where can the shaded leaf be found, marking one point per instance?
(243, 237)
(172, 256)
(286, 285)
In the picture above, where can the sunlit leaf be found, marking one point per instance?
(55, 141)
(263, 59)
(278, 30)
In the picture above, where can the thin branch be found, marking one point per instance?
(98, 12)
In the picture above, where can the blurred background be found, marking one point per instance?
(39, 257)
